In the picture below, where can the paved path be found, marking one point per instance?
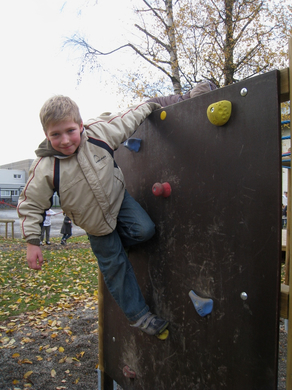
(56, 220)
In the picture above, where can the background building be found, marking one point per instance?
(13, 178)
(23, 165)
(12, 181)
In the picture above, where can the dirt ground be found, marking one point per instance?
(34, 349)
(57, 352)
(58, 349)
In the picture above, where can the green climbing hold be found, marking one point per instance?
(219, 113)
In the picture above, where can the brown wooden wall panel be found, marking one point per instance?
(218, 234)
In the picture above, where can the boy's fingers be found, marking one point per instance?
(41, 260)
(34, 265)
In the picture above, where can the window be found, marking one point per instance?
(5, 193)
(17, 176)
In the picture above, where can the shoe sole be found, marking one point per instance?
(162, 329)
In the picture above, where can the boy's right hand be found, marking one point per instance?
(34, 257)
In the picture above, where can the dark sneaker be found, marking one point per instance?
(48, 243)
(63, 242)
(151, 324)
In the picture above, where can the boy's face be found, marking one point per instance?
(65, 136)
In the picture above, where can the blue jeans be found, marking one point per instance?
(66, 236)
(134, 226)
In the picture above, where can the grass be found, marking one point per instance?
(67, 275)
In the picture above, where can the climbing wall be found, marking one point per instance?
(218, 236)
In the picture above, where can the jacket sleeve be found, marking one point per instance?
(35, 199)
(186, 96)
(115, 129)
(165, 101)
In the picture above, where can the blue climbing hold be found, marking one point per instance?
(203, 306)
(133, 144)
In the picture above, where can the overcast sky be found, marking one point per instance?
(34, 66)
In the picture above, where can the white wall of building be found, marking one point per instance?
(12, 177)
(12, 182)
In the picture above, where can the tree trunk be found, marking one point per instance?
(229, 44)
(175, 78)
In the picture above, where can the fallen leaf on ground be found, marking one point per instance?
(25, 361)
(27, 374)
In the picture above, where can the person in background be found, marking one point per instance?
(46, 227)
(284, 209)
(199, 89)
(285, 199)
(66, 229)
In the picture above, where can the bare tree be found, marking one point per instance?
(187, 41)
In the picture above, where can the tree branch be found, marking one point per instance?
(79, 41)
(155, 39)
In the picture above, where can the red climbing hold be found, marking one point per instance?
(128, 372)
(161, 189)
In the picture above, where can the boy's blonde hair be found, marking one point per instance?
(59, 108)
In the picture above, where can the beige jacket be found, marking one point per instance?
(91, 185)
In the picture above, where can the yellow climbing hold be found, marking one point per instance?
(219, 113)
(163, 115)
(163, 335)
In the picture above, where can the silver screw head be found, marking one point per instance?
(243, 92)
(243, 296)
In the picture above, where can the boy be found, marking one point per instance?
(76, 160)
